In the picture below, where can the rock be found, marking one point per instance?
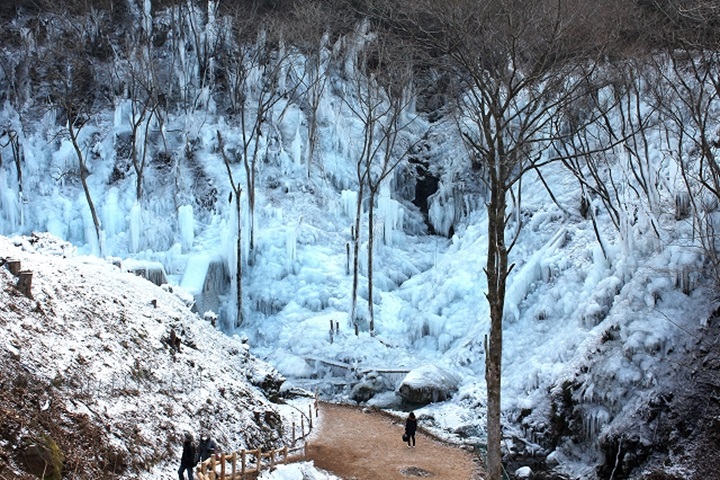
(368, 387)
(523, 472)
(43, 458)
(363, 391)
(269, 380)
(428, 384)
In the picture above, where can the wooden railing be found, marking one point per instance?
(247, 464)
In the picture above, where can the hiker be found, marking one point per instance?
(207, 447)
(188, 460)
(410, 428)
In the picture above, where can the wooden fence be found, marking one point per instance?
(247, 464)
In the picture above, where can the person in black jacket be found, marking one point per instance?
(410, 428)
(187, 461)
(207, 447)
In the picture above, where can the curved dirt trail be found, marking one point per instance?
(358, 445)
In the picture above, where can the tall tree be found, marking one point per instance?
(258, 76)
(237, 189)
(518, 65)
(379, 99)
(70, 82)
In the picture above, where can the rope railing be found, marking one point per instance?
(247, 464)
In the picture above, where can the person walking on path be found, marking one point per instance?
(187, 461)
(410, 428)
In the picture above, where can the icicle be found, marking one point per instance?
(296, 147)
(91, 236)
(390, 214)
(291, 245)
(112, 221)
(186, 221)
(135, 227)
(441, 211)
(594, 421)
(8, 205)
(349, 202)
(147, 17)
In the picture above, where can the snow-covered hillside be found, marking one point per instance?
(87, 365)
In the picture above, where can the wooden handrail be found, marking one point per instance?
(245, 464)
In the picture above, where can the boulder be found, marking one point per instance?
(368, 387)
(428, 384)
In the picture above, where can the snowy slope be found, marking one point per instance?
(91, 346)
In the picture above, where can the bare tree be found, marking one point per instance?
(686, 89)
(610, 154)
(194, 39)
(236, 187)
(517, 65)
(70, 81)
(258, 76)
(379, 99)
(137, 73)
(315, 23)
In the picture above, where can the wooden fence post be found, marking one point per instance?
(285, 452)
(310, 416)
(212, 468)
(13, 265)
(24, 283)
(234, 465)
(242, 464)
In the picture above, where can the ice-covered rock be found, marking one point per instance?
(523, 472)
(428, 384)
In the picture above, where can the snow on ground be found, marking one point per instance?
(297, 471)
(101, 337)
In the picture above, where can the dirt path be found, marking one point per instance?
(356, 445)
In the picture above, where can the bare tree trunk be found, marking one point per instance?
(496, 271)
(371, 242)
(237, 191)
(83, 180)
(238, 263)
(356, 254)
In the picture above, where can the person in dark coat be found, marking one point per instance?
(410, 429)
(187, 461)
(208, 447)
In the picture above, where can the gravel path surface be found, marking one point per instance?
(356, 444)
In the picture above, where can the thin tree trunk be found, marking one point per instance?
(238, 264)
(17, 156)
(371, 241)
(86, 188)
(356, 254)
